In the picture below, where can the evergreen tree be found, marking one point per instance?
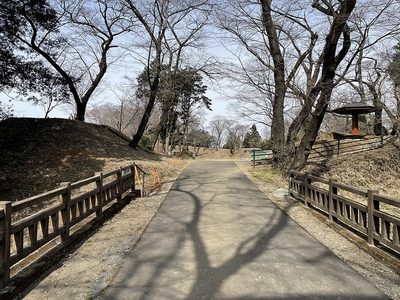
(178, 96)
(394, 67)
(252, 139)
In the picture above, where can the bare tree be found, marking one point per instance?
(374, 29)
(124, 116)
(320, 94)
(182, 44)
(171, 27)
(235, 135)
(277, 42)
(219, 127)
(292, 67)
(393, 71)
(153, 18)
(78, 47)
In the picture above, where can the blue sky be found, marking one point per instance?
(26, 109)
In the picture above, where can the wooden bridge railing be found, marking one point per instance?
(63, 208)
(374, 216)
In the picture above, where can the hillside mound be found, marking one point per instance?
(37, 154)
(377, 169)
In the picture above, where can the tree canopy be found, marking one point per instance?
(64, 42)
(180, 94)
(20, 67)
(252, 139)
(394, 67)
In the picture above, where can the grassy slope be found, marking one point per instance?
(376, 169)
(37, 154)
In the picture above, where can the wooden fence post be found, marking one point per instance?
(290, 183)
(99, 185)
(66, 212)
(307, 183)
(143, 195)
(254, 158)
(119, 177)
(133, 178)
(373, 222)
(376, 208)
(332, 191)
(5, 236)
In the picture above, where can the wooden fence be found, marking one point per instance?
(374, 216)
(323, 150)
(63, 208)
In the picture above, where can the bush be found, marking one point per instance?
(145, 142)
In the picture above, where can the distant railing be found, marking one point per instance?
(374, 216)
(64, 207)
(258, 155)
(323, 150)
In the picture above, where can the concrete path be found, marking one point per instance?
(218, 237)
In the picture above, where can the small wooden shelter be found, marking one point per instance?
(354, 109)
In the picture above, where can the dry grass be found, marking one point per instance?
(270, 175)
(38, 154)
(371, 170)
(376, 169)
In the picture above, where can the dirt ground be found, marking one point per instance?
(86, 272)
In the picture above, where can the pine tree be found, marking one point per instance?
(252, 139)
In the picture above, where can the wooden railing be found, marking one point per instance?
(323, 150)
(62, 208)
(374, 216)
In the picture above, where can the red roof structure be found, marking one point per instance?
(354, 109)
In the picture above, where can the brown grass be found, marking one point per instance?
(38, 154)
(376, 169)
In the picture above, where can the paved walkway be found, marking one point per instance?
(218, 237)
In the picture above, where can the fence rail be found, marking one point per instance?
(258, 155)
(322, 150)
(366, 215)
(70, 204)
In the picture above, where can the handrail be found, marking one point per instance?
(72, 203)
(367, 216)
(330, 148)
(259, 155)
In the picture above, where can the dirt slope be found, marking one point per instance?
(375, 169)
(37, 154)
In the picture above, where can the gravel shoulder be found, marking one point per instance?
(86, 272)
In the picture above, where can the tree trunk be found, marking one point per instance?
(278, 123)
(396, 119)
(331, 61)
(146, 116)
(162, 126)
(80, 111)
(150, 105)
(378, 128)
(311, 132)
